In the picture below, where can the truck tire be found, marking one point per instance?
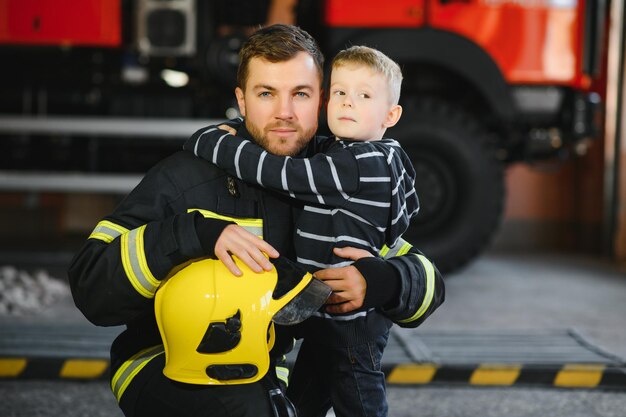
(459, 182)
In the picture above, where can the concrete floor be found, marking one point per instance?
(521, 291)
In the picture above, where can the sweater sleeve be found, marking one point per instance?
(404, 201)
(329, 178)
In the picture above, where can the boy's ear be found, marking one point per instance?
(393, 116)
(241, 101)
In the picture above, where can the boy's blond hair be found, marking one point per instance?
(375, 60)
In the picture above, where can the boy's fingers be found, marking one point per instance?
(227, 128)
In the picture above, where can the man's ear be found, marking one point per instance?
(241, 101)
(393, 116)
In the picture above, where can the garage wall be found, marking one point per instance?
(620, 208)
(555, 205)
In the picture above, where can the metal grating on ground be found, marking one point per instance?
(405, 346)
(61, 341)
(477, 347)
(560, 358)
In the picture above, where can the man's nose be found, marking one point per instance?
(285, 108)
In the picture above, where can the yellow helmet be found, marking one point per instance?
(217, 328)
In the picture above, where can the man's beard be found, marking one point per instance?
(295, 147)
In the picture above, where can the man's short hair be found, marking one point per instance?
(376, 61)
(277, 43)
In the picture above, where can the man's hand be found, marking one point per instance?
(347, 283)
(251, 249)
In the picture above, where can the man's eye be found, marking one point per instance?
(302, 94)
(265, 94)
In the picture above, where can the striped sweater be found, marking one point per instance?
(358, 194)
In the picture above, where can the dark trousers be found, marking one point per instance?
(152, 394)
(347, 378)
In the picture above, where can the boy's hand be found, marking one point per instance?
(231, 125)
(347, 283)
(249, 248)
(227, 128)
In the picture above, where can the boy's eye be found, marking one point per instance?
(364, 95)
(339, 93)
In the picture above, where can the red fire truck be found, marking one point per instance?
(487, 83)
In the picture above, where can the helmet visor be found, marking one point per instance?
(303, 305)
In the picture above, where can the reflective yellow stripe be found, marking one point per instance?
(254, 226)
(494, 374)
(430, 290)
(83, 368)
(400, 248)
(283, 374)
(12, 367)
(125, 374)
(575, 375)
(107, 231)
(404, 248)
(135, 264)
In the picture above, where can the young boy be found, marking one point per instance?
(358, 192)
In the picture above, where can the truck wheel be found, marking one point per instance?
(459, 182)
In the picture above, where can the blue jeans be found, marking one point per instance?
(347, 378)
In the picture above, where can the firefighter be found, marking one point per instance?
(186, 208)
